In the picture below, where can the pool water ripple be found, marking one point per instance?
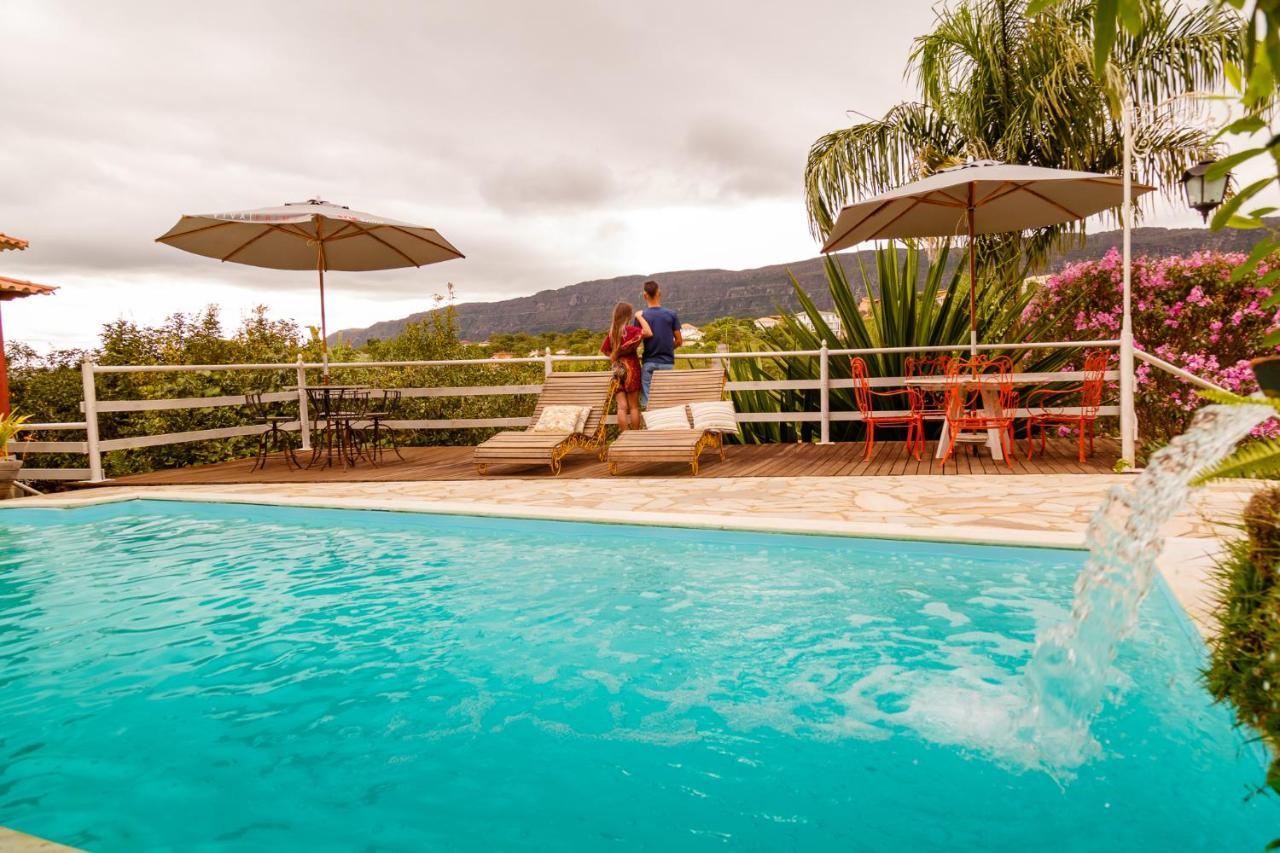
(217, 677)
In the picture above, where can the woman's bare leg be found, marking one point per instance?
(633, 403)
(624, 416)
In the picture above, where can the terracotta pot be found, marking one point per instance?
(8, 474)
(1267, 372)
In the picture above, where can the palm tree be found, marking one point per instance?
(995, 83)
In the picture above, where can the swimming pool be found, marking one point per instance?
(199, 676)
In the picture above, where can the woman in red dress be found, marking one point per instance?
(621, 344)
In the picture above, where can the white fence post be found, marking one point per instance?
(824, 395)
(91, 421)
(719, 362)
(304, 411)
(546, 361)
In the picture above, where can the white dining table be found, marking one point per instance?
(988, 387)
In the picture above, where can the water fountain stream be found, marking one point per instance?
(1067, 677)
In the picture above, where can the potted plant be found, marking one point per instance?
(1267, 372)
(10, 424)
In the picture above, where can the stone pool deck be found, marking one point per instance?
(1034, 510)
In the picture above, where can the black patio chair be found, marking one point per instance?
(334, 415)
(382, 409)
(274, 438)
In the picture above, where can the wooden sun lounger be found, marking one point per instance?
(673, 388)
(525, 447)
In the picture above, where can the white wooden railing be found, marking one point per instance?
(93, 446)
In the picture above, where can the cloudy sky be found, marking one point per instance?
(552, 142)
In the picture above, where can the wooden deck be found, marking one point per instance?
(760, 460)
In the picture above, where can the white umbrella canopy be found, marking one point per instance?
(310, 235)
(980, 197)
(1003, 197)
(291, 236)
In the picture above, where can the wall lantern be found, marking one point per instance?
(1204, 193)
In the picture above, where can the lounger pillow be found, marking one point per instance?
(561, 418)
(674, 417)
(714, 417)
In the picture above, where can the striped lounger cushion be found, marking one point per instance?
(673, 417)
(714, 417)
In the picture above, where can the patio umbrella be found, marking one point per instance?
(979, 197)
(312, 234)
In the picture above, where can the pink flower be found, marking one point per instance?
(1186, 310)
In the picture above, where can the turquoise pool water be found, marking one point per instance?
(181, 676)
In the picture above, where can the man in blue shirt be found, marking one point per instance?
(661, 342)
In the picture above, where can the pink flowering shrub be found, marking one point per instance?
(1186, 310)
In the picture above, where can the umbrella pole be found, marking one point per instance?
(324, 335)
(324, 329)
(973, 281)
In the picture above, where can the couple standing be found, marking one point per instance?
(659, 329)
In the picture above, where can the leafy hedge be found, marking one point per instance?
(48, 387)
(1244, 665)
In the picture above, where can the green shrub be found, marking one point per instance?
(49, 387)
(1244, 664)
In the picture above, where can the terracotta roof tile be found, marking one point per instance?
(7, 242)
(16, 288)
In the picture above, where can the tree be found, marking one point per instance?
(996, 82)
(1255, 83)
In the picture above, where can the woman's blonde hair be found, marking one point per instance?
(622, 314)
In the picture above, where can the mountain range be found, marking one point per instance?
(703, 295)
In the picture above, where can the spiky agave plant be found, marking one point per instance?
(10, 425)
(919, 303)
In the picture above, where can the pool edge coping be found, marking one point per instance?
(746, 522)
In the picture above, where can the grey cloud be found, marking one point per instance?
(742, 160)
(540, 138)
(550, 186)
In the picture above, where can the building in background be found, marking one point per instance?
(830, 318)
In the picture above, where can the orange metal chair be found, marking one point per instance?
(965, 410)
(1090, 391)
(865, 399)
(934, 400)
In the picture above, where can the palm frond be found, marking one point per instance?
(871, 157)
(1226, 398)
(1258, 459)
(1180, 48)
(994, 83)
